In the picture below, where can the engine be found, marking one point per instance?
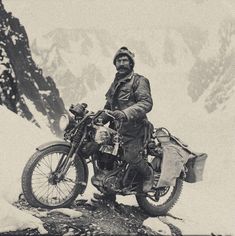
(112, 183)
(108, 139)
(108, 181)
(107, 158)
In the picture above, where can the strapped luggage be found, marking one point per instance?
(178, 157)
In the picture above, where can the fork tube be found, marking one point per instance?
(67, 162)
(72, 153)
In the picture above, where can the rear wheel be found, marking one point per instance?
(160, 201)
(40, 184)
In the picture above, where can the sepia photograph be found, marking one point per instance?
(117, 117)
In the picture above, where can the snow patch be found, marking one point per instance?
(18, 139)
(158, 226)
(12, 219)
(14, 39)
(38, 116)
(69, 212)
(45, 92)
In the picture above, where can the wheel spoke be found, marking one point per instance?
(66, 184)
(38, 173)
(66, 187)
(42, 191)
(38, 178)
(43, 183)
(59, 191)
(44, 194)
(44, 162)
(63, 189)
(69, 180)
(52, 194)
(42, 172)
(38, 182)
(50, 160)
(49, 191)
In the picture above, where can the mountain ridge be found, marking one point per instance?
(161, 49)
(21, 79)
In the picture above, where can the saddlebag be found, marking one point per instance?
(173, 161)
(178, 157)
(195, 168)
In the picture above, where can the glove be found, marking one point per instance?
(119, 115)
(105, 118)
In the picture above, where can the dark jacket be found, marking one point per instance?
(132, 95)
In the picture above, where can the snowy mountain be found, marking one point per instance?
(212, 77)
(23, 88)
(71, 57)
(80, 60)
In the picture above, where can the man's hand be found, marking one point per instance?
(103, 117)
(119, 115)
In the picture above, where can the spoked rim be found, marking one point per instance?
(46, 187)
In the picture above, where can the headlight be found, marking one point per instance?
(64, 122)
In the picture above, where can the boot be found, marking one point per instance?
(105, 197)
(147, 172)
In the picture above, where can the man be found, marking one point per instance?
(129, 99)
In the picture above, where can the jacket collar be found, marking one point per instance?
(117, 82)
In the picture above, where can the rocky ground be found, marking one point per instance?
(98, 218)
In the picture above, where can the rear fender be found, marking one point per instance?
(64, 143)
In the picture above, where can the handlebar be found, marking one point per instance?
(107, 112)
(117, 123)
(81, 111)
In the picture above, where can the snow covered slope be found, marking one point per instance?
(18, 139)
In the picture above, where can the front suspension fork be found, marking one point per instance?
(64, 165)
(63, 168)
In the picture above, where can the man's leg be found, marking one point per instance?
(132, 155)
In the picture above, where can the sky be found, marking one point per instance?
(40, 17)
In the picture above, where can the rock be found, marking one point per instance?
(21, 79)
(70, 232)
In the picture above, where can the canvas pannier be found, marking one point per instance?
(177, 156)
(195, 168)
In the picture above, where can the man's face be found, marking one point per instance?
(123, 64)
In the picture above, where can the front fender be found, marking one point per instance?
(51, 144)
(64, 143)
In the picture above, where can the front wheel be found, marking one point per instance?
(39, 183)
(161, 201)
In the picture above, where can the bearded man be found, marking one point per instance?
(129, 98)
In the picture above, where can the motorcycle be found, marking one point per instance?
(57, 172)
